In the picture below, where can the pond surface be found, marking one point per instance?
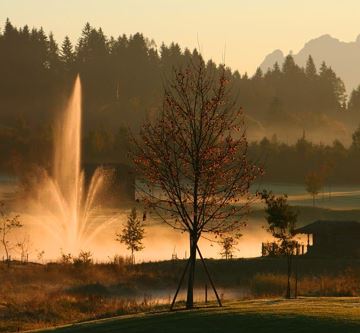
(162, 243)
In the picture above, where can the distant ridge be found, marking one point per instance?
(343, 57)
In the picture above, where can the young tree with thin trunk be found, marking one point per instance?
(314, 182)
(24, 247)
(192, 160)
(132, 234)
(281, 219)
(7, 226)
(228, 244)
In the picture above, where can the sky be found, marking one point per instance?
(239, 32)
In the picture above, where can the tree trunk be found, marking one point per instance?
(7, 256)
(296, 276)
(288, 289)
(192, 259)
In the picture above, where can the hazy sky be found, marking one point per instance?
(246, 30)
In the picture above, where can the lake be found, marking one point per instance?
(161, 242)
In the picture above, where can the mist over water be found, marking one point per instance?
(63, 214)
(41, 219)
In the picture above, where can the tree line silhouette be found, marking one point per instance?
(294, 163)
(122, 81)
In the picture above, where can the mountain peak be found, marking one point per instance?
(322, 41)
(271, 59)
(325, 37)
(343, 57)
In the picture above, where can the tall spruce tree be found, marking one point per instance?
(67, 55)
(310, 69)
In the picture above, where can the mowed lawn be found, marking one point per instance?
(340, 315)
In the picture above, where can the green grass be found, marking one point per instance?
(323, 315)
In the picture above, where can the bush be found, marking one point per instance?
(84, 258)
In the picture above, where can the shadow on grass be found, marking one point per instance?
(210, 320)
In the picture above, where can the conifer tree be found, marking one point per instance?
(53, 60)
(310, 69)
(356, 140)
(67, 55)
(276, 111)
(354, 102)
(289, 66)
(276, 68)
(258, 74)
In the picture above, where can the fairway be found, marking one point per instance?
(321, 315)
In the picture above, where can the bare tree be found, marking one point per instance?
(24, 247)
(40, 255)
(8, 224)
(228, 244)
(132, 234)
(193, 161)
(281, 219)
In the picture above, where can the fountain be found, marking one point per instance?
(60, 202)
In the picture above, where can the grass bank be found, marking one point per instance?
(263, 315)
(36, 296)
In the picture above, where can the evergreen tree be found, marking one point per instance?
(53, 58)
(67, 55)
(335, 92)
(323, 69)
(289, 66)
(354, 102)
(276, 111)
(258, 74)
(84, 39)
(356, 140)
(122, 79)
(9, 29)
(272, 79)
(276, 68)
(310, 69)
(40, 49)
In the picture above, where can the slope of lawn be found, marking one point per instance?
(321, 315)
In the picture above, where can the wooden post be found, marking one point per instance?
(208, 274)
(206, 293)
(308, 243)
(180, 283)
